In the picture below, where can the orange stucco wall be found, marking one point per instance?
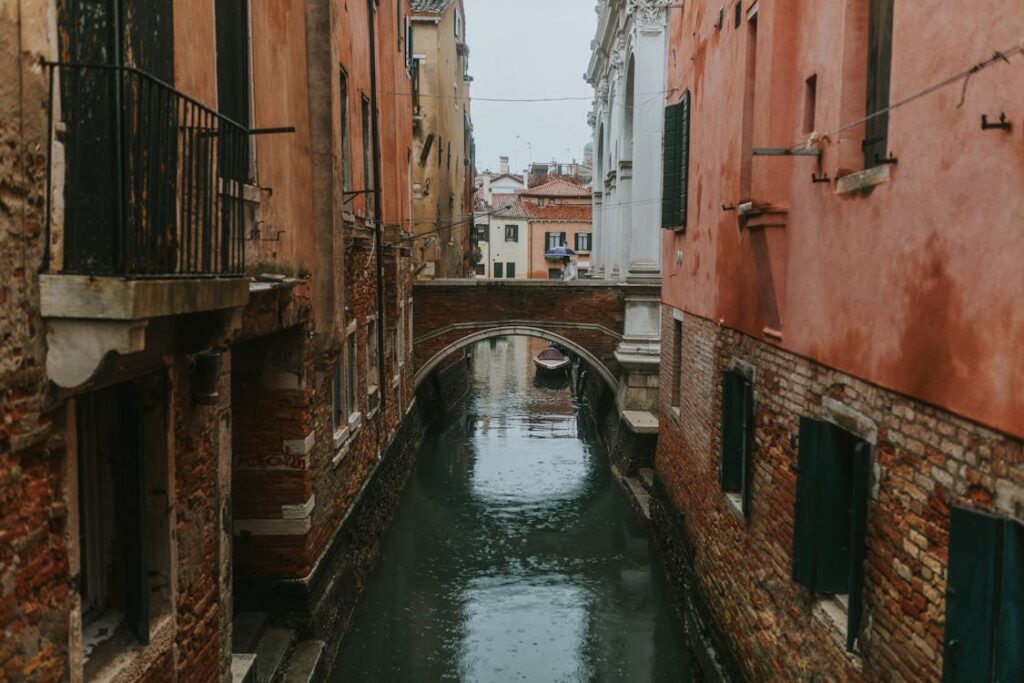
(913, 285)
(538, 245)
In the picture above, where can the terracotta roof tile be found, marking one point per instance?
(513, 206)
(557, 188)
(430, 5)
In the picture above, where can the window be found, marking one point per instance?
(510, 270)
(458, 23)
(583, 241)
(346, 140)
(369, 163)
(737, 427)
(499, 270)
(480, 269)
(124, 540)
(554, 273)
(833, 477)
(338, 415)
(234, 81)
(984, 599)
(811, 105)
(449, 154)
(234, 85)
(876, 129)
(352, 371)
(372, 366)
(410, 61)
(749, 112)
(511, 233)
(400, 336)
(540, 201)
(400, 27)
(553, 240)
(676, 366)
(677, 164)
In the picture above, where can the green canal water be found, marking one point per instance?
(514, 555)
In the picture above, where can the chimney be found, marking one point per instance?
(487, 188)
(503, 164)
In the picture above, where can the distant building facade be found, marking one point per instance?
(443, 163)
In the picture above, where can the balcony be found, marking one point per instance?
(146, 212)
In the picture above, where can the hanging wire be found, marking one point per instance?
(965, 76)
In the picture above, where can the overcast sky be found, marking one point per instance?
(524, 49)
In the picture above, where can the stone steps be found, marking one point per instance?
(243, 668)
(304, 664)
(246, 629)
(271, 652)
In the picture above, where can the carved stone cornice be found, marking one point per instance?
(647, 13)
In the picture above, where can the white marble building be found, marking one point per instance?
(628, 72)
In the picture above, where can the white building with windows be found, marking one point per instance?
(628, 70)
(509, 249)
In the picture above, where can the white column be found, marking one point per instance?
(649, 31)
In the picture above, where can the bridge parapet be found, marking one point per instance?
(585, 316)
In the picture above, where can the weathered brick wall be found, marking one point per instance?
(926, 460)
(568, 310)
(34, 588)
(203, 613)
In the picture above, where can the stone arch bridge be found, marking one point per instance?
(593, 318)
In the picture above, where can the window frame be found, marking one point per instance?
(827, 452)
(676, 165)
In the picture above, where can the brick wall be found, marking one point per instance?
(925, 461)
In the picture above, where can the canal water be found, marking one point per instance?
(514, 555)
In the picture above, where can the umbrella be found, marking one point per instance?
(559, 252)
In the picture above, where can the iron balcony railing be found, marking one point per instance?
(152, 183)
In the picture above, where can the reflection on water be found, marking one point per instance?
(514, 556)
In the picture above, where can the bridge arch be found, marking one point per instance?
(511, 331)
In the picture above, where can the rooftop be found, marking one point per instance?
(558, 188)
(430, 5)
(512, 206)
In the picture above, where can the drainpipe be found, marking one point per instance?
(378, 238)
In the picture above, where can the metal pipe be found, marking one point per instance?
(378, 237)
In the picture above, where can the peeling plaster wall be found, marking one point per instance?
(915, 284)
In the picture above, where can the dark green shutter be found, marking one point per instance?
(499, 269)
(835, 508)
(806, 509)
(131, 493)
(672, 164)
(1010, 641)
(970, 596)
(684, 161)
(858, 539)
(747, 415)
(876, 130)
(731, 465)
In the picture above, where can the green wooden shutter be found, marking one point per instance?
(835, 512)
(131, 494)
(684, 161)
(806, 508)
(731, 447)
(876, 129)
(499, 269)
(970, 596)
(1010, 641)
(858, 539)
(747, 431)
(672, 163)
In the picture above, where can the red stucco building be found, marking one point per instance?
(841, 419)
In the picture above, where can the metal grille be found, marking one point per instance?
(153, 184)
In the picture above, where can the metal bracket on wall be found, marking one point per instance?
(1003, 124)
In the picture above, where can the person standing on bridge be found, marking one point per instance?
(569, 272)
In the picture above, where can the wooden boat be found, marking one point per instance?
(551, 360)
